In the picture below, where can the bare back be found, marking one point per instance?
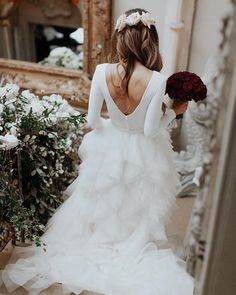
(141, 112)
(136, 88)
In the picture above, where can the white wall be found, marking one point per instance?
(206, 32)
(155, 7)
(206, 26)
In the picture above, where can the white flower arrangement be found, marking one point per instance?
(39, 139)
(64, 57)
(133, 19)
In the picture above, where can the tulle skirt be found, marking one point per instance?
(105, 237)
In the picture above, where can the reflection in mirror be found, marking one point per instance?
(59, 46)
(33, 30)
(49, 33)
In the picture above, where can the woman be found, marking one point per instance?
(108, 236)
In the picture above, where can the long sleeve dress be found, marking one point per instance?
(105, 236)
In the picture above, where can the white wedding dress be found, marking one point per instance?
(105, 237)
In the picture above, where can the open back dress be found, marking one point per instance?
(106, 236)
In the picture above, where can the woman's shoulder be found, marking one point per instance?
(102, 65)
(99, 66)
(98, 71)
(160, 75)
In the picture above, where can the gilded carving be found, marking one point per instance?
(55, 8)
(96, 17)
(71, 84)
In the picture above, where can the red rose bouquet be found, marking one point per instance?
(185, 86)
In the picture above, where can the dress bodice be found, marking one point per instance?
(147, 117)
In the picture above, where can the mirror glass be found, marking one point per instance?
(45, 32)
(59, 46)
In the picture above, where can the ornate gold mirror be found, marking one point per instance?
(62, 41)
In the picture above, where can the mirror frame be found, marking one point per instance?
(73, 85)
(97, 24)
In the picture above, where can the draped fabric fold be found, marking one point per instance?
(102, 238)
(106, 236)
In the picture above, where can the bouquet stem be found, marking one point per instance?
(180, 116)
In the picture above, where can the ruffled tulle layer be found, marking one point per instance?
(103, 237)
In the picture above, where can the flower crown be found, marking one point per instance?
(134, 18)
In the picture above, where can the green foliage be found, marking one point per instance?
(42, 161)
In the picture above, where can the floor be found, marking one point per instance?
(176, 231)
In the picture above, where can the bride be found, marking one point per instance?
(109, 235)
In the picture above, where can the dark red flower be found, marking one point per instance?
(184, 86)
(187, 86)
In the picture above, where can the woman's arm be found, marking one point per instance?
(167, 117)
(95, 101)
(155, 119)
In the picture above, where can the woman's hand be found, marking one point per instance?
(180, 108)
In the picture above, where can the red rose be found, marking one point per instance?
(181, 95)
(178, 85)
(183, 86)
(187, 77)
(187, 86)
(195, 80)
(198, 88)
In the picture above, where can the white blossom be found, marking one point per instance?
(133, 19)
(33, 172)
(1, 108)
(10, 104)
(26, 138)
(64, 57)
(12, 90)
(13, 130)
(147, 19)
(10, 141)
(44, 154)
(121, 22)
(36, 106)
(3, 91)
(29, 95)
(68, 143)
(63, 110)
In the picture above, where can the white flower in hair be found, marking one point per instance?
(121, 22)
(147, 19)
(133, 19)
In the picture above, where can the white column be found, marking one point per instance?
(172, 27)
